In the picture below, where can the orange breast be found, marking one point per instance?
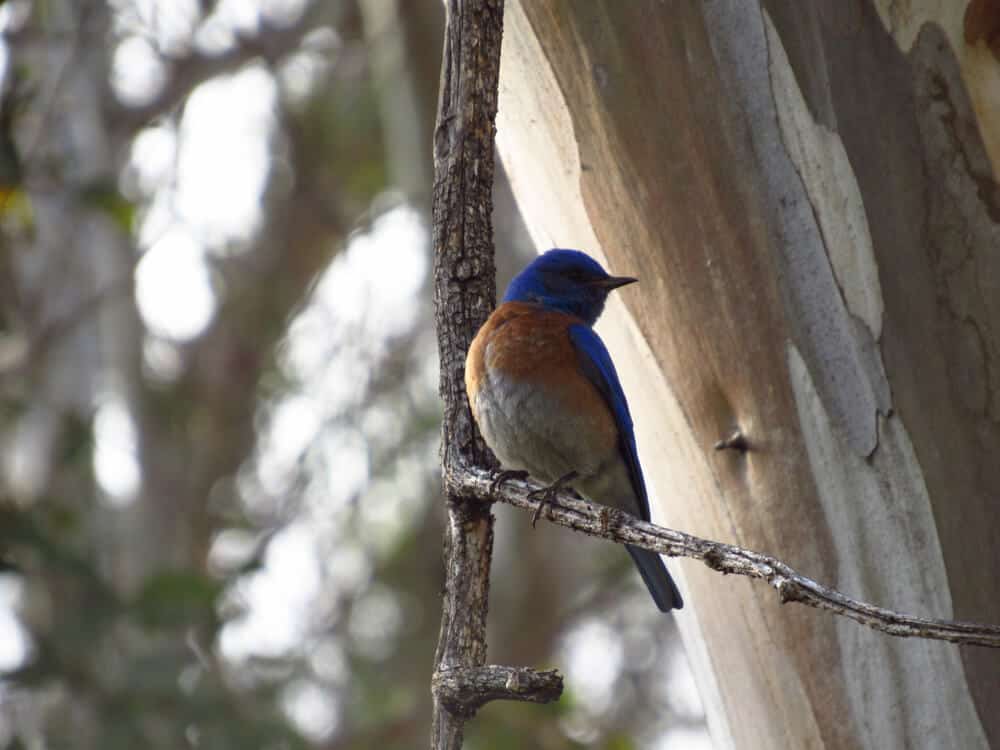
(524, 343)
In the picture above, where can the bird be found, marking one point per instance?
(545, 395)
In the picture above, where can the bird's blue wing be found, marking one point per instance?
(600, 370)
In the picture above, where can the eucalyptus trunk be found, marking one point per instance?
(806, 191)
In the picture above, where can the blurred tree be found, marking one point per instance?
(219, 523)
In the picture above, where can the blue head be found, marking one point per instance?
(568, 281)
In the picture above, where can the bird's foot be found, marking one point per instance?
(546, 495)
(505, 476)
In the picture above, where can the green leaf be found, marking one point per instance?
(107, 198)
(175, 598)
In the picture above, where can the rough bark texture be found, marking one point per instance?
(807, 192)
(464, 294)
(728, 559)
(464, 691)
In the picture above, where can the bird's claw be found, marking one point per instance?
(546, 495)
(505, 476)
(542, 502)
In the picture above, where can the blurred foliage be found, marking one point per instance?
(107, 198)
(128, 605)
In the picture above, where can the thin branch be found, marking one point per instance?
(270, 43)
(791, 586)
(464, 691)
(54, 331)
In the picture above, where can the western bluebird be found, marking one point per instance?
(546, 396)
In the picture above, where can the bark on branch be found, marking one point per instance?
(791, 585)
(464, 691)
(464, 294)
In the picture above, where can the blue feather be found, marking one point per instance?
(595, 361)
(562, 280)
(596, 364)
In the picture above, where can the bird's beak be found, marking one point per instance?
(613, 282)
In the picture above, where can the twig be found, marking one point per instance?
(54, 331)
(464, 691)
(791, 585)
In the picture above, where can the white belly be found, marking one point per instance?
(531, 431)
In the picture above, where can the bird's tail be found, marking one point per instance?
(657, 579)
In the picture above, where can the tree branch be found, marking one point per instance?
(29, 349)
(792, 586)
(464, 691)
(270, 43)
(464, 294)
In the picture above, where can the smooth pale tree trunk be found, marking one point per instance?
(806, 190)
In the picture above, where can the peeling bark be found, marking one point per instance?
(807, 193)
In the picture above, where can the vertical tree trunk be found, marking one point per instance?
(464, 294)
(807, 192)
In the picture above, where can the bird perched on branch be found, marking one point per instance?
(546, 397)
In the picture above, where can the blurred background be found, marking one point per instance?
(220, 520)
